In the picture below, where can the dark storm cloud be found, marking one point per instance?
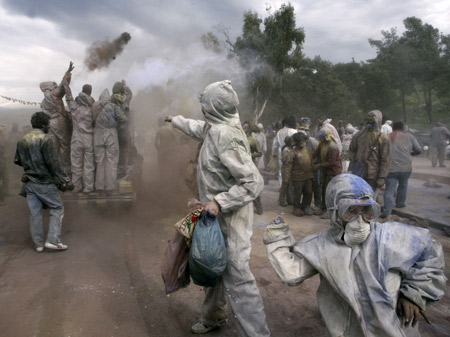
(94, 20)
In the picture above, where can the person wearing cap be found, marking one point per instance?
(438, 141)
(375, 278)
(228, 182)
(386, 128)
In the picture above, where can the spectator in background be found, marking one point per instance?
(386, 127)
(256, 154)
(370, 152)
(403, 146)
(327, 159)
(299, 171)
(260, 136)
(285, 196)
(325, 124)
(270, 136)
(289, 128)
(438, 136)
(346, 140)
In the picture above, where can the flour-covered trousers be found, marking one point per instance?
(106, 151)
(237, 283)
(61, 134)
(82, 160)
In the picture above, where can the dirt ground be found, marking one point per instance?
(108, 283)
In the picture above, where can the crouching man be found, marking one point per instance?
(375, 278)
(42, 177)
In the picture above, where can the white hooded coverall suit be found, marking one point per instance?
(360, 285)
(226, 174)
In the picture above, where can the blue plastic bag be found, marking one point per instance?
(208, 254)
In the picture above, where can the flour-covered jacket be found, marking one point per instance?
(226, 172)
(359, 286)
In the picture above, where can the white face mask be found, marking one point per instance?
(356, 231)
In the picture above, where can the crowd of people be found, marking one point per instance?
(376, 278)
(305, 160)
(84, 149)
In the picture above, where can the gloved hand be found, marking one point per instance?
(275, 232)
(380, 182)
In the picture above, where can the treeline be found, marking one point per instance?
(408, 80)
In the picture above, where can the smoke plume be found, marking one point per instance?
(101, 53)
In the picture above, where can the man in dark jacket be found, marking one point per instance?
(36, 154)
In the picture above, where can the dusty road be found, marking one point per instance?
(108, 282)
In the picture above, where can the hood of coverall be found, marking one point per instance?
(48, 86)
(377, 116)
(84, 99)
(219, 103)
(348, 189)
(104, 96)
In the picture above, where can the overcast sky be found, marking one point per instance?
(39, 38)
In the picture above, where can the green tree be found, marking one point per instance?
(269, 54)
(393, 56)
(423, 41)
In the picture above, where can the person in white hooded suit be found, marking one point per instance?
(375, 278)
(228, 182)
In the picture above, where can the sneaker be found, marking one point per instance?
(400, 206)
(283, 204)
(200, 328)
(39, 249)
(308, 210)
(58, 246)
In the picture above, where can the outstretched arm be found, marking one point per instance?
(192, 128)
(65, 80)
(291, 268)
